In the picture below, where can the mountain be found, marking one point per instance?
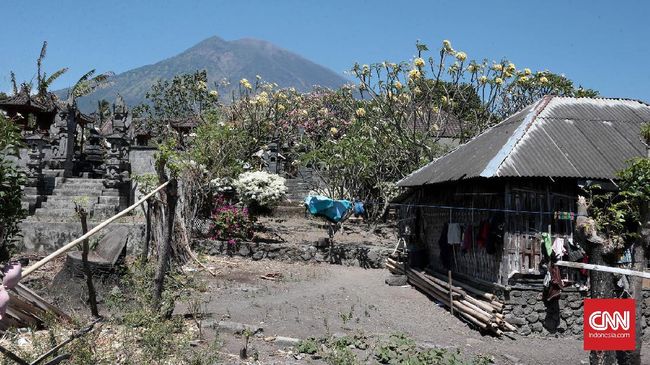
(230, 60)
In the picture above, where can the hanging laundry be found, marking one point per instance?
(495, 238)
(626, 257)
(467, 238)
(585, 272)
(331, 209)
(547, 244)
(574, 251)
(558, 248)
(483, 234)
(454, 234)
(359, 209)
(445, 249)
(555, 288)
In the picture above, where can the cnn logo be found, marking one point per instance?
(609, 324)
(603, 321)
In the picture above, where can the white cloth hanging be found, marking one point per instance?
(454, 234)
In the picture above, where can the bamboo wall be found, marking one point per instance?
(519, 252)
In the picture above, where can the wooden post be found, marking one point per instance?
(451, 299)
(92, 297)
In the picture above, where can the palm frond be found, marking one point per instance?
(14, 85)
(55, 75)
(86, 85)
(39, 62)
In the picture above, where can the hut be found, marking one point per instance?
(481, 210)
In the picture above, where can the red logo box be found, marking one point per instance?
(609, 324)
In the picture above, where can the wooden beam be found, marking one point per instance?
(615, 270)
(11, 356)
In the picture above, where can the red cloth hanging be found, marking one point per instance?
(483, 234)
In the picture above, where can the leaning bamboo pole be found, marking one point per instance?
(72, 244)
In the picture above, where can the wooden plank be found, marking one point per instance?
(615, 270)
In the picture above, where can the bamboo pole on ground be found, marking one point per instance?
(451, 291)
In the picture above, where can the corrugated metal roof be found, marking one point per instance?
(556, 136)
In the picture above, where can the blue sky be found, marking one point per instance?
(599, 44)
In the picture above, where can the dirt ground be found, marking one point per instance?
(320, 300)
(316, 300)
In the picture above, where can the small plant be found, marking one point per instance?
(243, 353)
(230, 222)
(345, 317)
(196, 309)
(340, 353)
(308, 346)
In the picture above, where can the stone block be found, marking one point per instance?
(244, 250)
(576, 329)
(532, 317)
(524, 330)
(518, 321)
(576, 304)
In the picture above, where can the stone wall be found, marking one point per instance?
(525, 309)
(348, 255)
(50, 236)
(142, 160)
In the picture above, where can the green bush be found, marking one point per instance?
(11, 179)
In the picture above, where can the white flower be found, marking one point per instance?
(260, 187)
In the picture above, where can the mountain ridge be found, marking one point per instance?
(222, 59)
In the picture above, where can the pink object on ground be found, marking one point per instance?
(13, 272)
(4, 302)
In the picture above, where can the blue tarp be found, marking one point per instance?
(332, 210)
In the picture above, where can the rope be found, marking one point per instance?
(496, 210)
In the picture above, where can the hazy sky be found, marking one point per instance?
(604, 45)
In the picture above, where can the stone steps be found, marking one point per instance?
(58, 212)
(78, 192)
(63, 205)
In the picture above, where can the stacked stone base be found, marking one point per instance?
(348, 255)
(525, 308)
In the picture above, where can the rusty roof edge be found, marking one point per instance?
(493, 166)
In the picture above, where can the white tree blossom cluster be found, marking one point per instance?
(260, 187)
(221, 185)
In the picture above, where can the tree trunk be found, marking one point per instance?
(636, 283)
(92, 298)
(145, 250)
(166, 243)
(602, 286)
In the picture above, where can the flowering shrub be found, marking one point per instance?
(221, 186)
(230, 223)
(259, 188)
